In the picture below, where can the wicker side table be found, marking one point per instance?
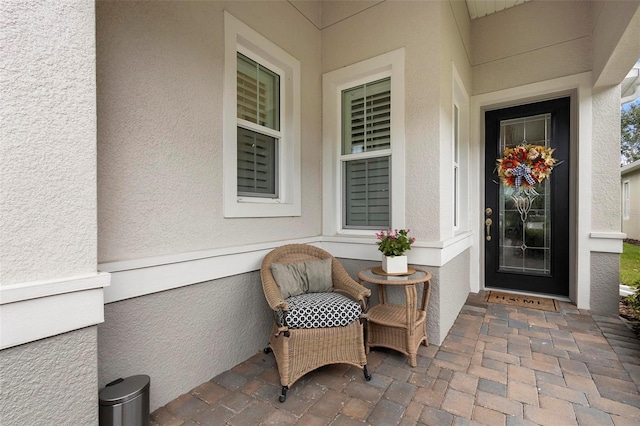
(398, 327)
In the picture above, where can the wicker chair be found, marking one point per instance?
(301, 350)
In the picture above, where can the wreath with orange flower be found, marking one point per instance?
(525, 165)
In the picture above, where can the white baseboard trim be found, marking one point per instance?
(139, 277)
(37, 310)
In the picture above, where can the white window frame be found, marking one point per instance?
(455, 136)
(460, 163)
(390, 64)
(241, 38)
(626, 199)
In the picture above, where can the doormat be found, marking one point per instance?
(522, 301)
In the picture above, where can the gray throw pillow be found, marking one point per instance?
(294, 279)
(319, 276)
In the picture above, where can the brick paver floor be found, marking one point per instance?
(498, 365)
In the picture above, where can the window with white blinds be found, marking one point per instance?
(367, 117)
(257, 164)
(258, 93)
(366, 152)
(367, 192)
(261, 155)
(258, 113)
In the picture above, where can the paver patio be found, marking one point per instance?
(499, 365)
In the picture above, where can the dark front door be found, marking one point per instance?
(526, 222)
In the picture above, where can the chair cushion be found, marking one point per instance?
(321, 310)
(294, 279)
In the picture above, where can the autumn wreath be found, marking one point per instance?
(525, 165)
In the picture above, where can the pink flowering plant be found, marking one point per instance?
(394, 242)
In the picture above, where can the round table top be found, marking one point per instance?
(418, 276)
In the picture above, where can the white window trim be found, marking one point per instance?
(460, 99)
(455, 142)
(626, 199)
(390, 64)
(241, 38)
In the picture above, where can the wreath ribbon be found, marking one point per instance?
(523, 172)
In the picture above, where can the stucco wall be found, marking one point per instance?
(451, 292)
(48, 150)
(631, 226)
(184, 337)
(536, 41)
(160, 104)
(416, 27)
(605, 181)
(605, 281)
(47, 203)
(51, 381)
(455, 27)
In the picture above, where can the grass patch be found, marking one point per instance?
(630, 264)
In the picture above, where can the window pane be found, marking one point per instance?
(366, 117)
(258, 94)
(455, 196)
(456, 156)
(626, 199)
(257, 154)
(367, 195)
(456, 141)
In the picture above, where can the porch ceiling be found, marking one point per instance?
(480, 8)
(328, 12)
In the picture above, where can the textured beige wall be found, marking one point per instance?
(416, 27)
(631, 226)
(48, 149)
(51, 381)
(184, 337)
(48, 199)
(450, 292)
(455, 27)
(435, 36)
(605, 282)
(605, 180)
(336, 11)
(536, 41)
(160, 106)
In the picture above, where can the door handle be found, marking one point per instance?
(488, 222)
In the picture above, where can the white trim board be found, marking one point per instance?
(606, 242)
(140, 277)
(37, 310)
(12, 293)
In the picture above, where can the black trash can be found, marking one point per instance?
(125, 402)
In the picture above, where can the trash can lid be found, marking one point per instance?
(122, 390)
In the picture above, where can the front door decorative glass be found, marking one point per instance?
(527, 162)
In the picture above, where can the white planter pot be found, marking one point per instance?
(394, 264)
